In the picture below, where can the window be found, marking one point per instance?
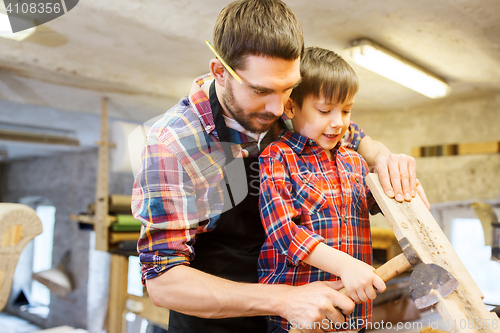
(467, 238)
(465, 233)
(134, 284)
(135, 323)
(42, 254)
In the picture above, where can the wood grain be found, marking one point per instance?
(117, 293)
(413, 221)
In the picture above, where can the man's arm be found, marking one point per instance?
(190, 291)
(397, 172)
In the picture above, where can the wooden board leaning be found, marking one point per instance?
(463, 310)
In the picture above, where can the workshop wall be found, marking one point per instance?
(67, 181)
(446, 178)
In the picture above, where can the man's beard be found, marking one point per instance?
(245, 120)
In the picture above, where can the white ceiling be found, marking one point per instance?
(144, 54)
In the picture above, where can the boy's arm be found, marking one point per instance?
(397, 172)
(278, 207)
(357, 276)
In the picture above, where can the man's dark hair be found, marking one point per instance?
(260, 28)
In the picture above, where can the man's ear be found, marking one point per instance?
(218, 71)
(289, 109)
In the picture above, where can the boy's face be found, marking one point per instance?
(268, 83)
(322, 121)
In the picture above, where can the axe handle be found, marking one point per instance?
(390, 269)
(393, 267)
(387, 271)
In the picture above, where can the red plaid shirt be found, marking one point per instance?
(306, 199)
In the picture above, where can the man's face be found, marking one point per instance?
(258, 103)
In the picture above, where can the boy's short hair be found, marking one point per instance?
(260, 28)
(325, 73)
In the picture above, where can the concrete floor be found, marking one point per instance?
(12, 324)
(429, 318)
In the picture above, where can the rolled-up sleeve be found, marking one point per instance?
(278, 208)
(353, 136)
(163, 200)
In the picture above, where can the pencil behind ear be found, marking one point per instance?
(288, 109)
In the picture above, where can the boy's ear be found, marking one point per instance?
(288, 109)
(218, 71)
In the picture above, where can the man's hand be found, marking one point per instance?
(398, 177)
(317, 302)
(396, 171)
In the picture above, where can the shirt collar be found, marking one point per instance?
(298, 142)
(201, 102)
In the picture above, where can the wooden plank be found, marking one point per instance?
(101, 225)
(416, 151)
(413, 221)
(116, 237)
(120, 202)
(478, 148)
(61, 329)
(90, 219)
(117, 293)
(490, 147)
(143, 307)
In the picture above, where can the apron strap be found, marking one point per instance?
(221, 128)
(220, 124)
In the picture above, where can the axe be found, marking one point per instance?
(424, 279)
(428, 282)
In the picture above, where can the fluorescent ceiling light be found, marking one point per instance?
(6, 29)
(383, 62)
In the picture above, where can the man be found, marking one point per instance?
(199, 245)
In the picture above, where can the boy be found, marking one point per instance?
(313, 200)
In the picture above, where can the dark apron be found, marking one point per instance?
(230, 251)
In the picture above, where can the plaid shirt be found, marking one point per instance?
(306, 199)
(170, 192)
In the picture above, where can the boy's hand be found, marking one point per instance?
(360, 279)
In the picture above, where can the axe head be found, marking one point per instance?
(429, 277)
(426, 278)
